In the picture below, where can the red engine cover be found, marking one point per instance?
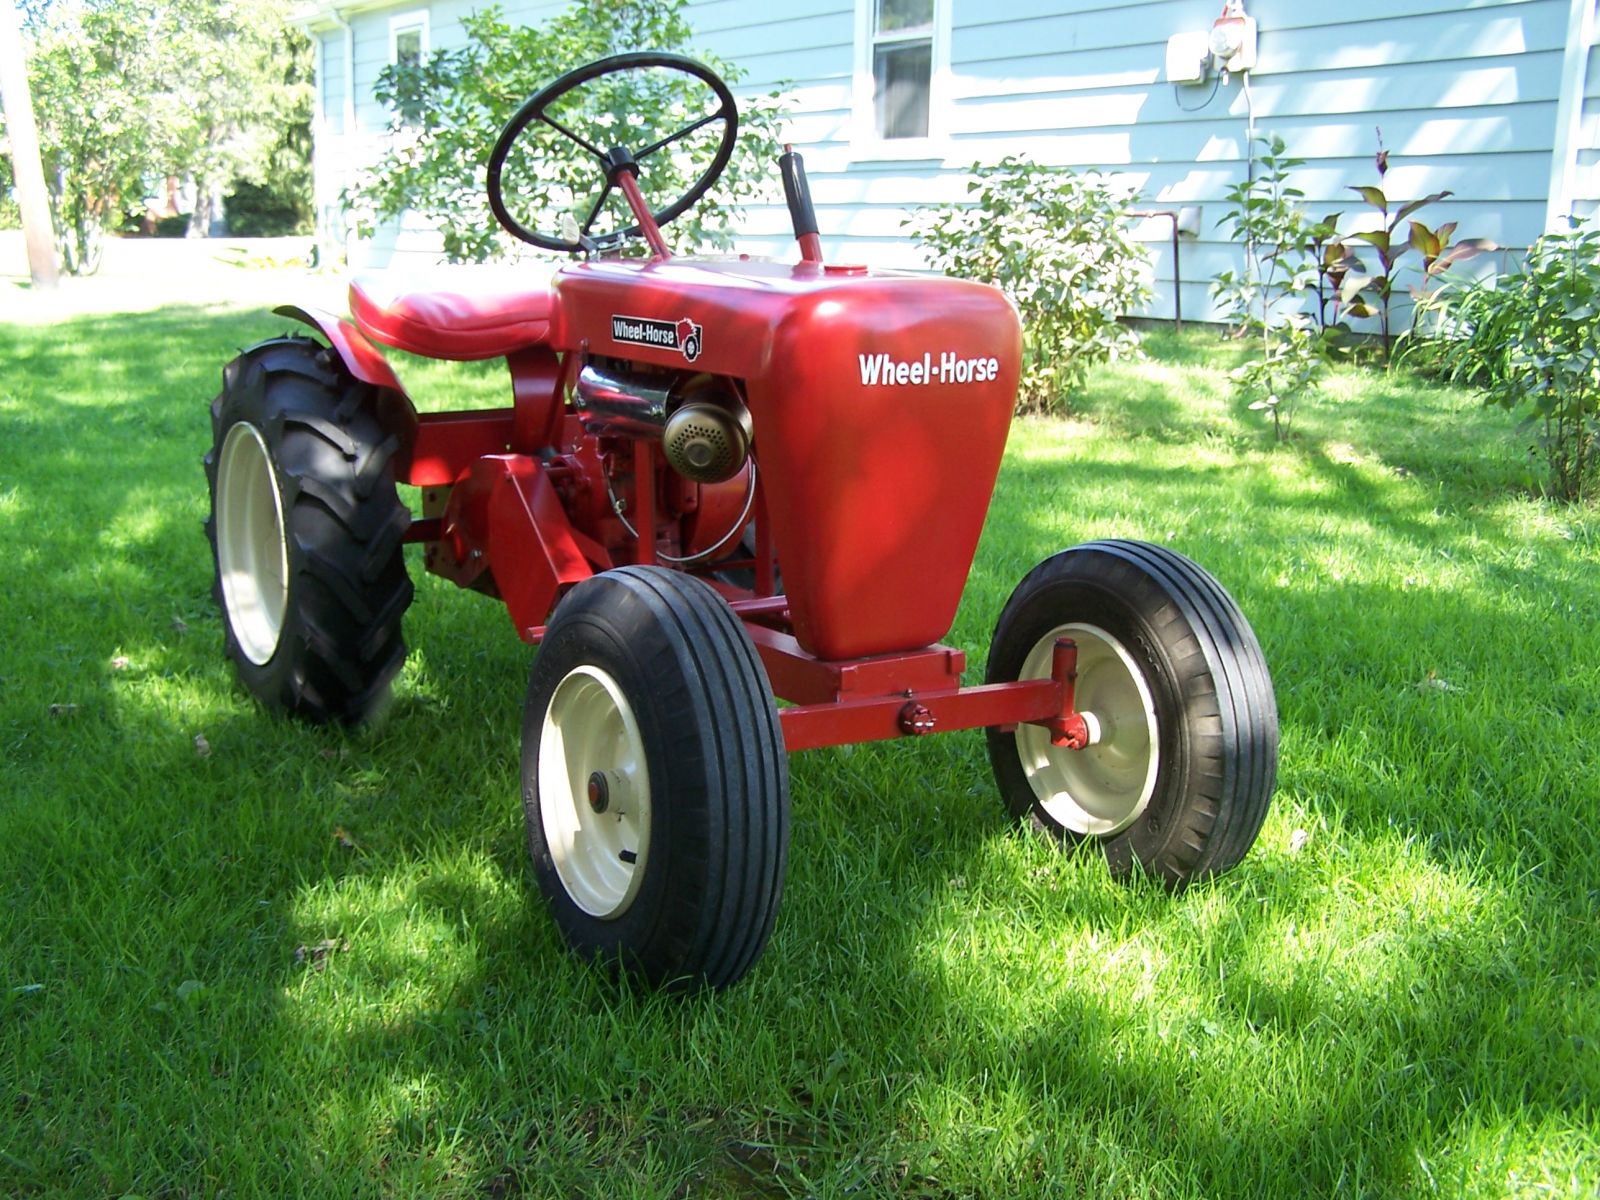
(880, 401)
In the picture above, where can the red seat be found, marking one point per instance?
(459, 313)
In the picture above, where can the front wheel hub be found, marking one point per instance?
(1100, 778)
(594, 792)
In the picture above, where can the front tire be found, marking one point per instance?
(1179, 779)
(654, 780)
(306, 532)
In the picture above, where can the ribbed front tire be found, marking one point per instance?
(1186, 727)
(655, 782)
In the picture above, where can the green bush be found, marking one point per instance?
(1058, 243)
(447, 113)
(265, 210)
(1531, 341)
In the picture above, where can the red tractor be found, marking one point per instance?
(718, 480)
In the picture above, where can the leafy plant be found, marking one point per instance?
(1293, 357)
(1267, 216)
(1531, 340)
(449, 109)
(1435, 246)
(1058, 243)
(1286, 257)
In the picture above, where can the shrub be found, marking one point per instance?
(448, 111)
(1058, 243)
(1286, 258)
(1531, 340)
(263, 210)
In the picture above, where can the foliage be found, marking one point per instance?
(449, 110)
(128, 91)
(1437, 248)
(244, 80)
(1059, 244)
(10, 213)
(1531, 340)
(1286, 257)
(92, 68)
(263, 210)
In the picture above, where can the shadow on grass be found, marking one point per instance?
(947, 1009)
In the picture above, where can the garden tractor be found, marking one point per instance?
(719, 480)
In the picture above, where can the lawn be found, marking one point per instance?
(246, 958)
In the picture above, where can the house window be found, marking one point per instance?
(408, 39)
(902, 67)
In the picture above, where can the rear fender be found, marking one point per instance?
(361, 357)
(366, 362)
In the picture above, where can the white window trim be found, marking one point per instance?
(404, 22)
(865, 144)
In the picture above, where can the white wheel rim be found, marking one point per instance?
(589, 731)
(1102, 789)
(252, 551)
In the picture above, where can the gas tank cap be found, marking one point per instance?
(843, 269)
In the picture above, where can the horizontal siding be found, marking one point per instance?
(1464, 91)
(1465, 95)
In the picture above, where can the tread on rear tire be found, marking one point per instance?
(306, 532)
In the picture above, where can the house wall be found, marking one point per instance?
(1464, 91)
(1586, 182)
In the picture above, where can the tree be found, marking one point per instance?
(449, 109)
(240, 78)
(89, 70)
(129, 91)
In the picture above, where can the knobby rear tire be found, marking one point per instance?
(306, 532)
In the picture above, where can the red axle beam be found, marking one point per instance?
(885, 717)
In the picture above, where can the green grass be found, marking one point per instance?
(311, 962)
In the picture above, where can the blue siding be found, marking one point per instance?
(1465, 92)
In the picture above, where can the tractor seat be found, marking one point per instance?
(458, 313)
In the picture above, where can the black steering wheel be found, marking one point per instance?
(613, 160)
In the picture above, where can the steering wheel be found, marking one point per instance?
(615, 160)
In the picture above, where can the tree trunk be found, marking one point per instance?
(17, 102)
(200, 218)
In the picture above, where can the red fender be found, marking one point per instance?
(364, 360)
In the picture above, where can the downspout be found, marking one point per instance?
(1170, 214)
(1569, 114)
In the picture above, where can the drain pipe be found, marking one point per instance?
(1569, 115)
(1177, 274)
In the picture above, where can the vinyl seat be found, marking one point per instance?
(456, 313)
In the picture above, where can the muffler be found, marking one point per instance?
(702, 424)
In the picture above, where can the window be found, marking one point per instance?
(408, 39)
(902, 67)
(901, 88)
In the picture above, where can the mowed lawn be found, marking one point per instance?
(240, 957)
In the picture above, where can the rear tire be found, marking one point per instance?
(1180, 778)
(306, 533)
(655, 783)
